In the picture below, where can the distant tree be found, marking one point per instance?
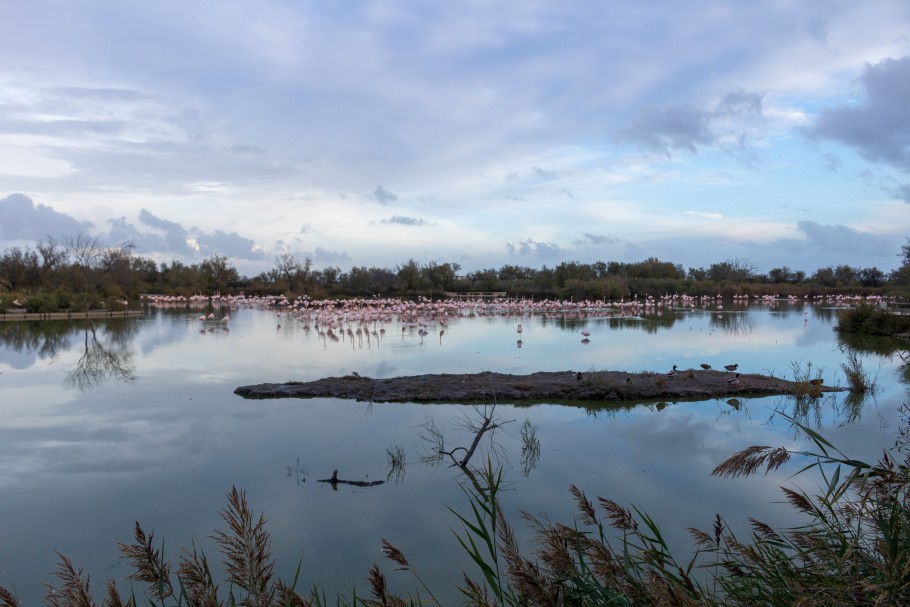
(573, 270)
(697, 274)
(485, 280)
(545, 279)
(871, 277)
(328, 277)
(441, 276)
(901, 276)
(409, 276)
(736, 270)
(845, 276)
(511, 272)
(824, 277)
(293, 270)
(19, 269)
(217, 274)
(94, 260)
(53, 257)
(779, 275)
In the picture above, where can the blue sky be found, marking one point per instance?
(481, 133)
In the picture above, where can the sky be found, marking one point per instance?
(479, 133)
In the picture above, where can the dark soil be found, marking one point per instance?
(558, 386)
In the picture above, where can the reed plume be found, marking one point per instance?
(147, 564)
(247, 551)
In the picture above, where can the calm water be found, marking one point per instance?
(107, 423)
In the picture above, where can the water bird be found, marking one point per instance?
(705, 366)
(628, 379)
(586, 341)
(734, 381)
(586, 333)
(731, 367)
(519, 329)
(816, 382)
(578, 376)
(673, 372)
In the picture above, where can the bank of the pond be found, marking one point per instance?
(558, 386)
(90, 314)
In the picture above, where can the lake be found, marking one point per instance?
(110, 422)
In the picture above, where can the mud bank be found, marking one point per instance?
(542, 386)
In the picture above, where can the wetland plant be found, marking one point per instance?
(858, 379)
(853, 548)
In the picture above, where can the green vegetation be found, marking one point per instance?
(95, 275)
(870, 320)
(853, 549)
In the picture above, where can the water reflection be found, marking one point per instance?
(35, 340)
(104, 348)
(73, 462)
(104, 355)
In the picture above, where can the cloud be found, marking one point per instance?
(597, 239)
(406, 221)
(681, 127)
(878, 127)
(323, 256)
(532, 248)
(383, 196)
(176, 238)
(840, 238)
(194, 242)
(22, 219)
(669, 129)
(227, 244)
(740, 104)
(902, 192)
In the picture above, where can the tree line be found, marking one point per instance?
(83, 271)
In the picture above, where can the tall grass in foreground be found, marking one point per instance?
(854, 549)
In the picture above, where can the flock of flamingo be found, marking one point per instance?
(358, 315)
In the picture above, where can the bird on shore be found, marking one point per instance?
(731, 367)
(734, 381)
(816, 382)
(673, 372)
(705, 366)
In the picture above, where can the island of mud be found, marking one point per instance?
(543, 386)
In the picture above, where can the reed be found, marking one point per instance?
(853, 549)
(858, 379)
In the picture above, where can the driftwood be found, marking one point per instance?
(337, 481)
(552, 386)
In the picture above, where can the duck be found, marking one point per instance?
(734, 381)
(731, 367)
(705, 366)
(816, 382)
(673, 372)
